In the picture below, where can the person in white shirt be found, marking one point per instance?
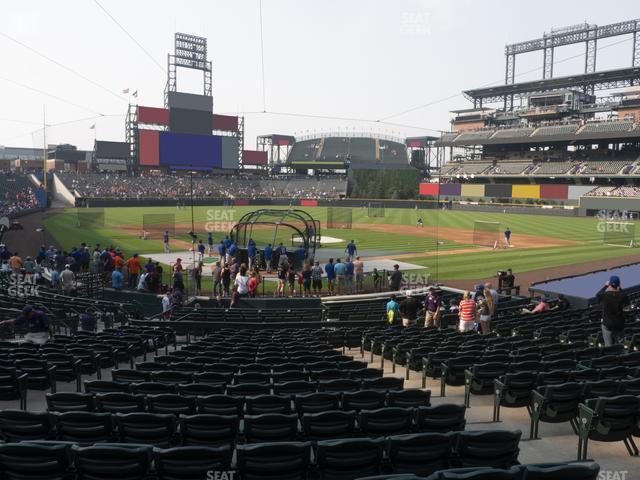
(242, 282)
(67, 278)
(141, 282)
(166, 306)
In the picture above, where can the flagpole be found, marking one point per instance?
(44, 148)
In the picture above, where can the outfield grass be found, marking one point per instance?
(464, 265)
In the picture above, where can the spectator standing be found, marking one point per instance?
(242, 282)
(283, 275)
(395, 279)
(485, 311)
(166, 305)
(216, 276)
(316, 278)
(467, 313)
(15, 263)
(225, 274)
(254, 281)
(377, 281)
(349, 276)
(153, 281)
(329, 269)
(116, 279)
(306, 280)
(67, 279)
(340, 270)
(409, 310)
(55, 279)
(613, 301)
(432, 304)
(358, 267)
(197, 277)
(494, 296)
(133, 265)
(235, 297)
(393, 314)
(291, 279)
(88, 321)
(35, 322)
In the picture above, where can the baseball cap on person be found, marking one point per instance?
(614, 281)
(27, 309)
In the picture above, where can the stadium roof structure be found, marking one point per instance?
(603, 80)
(622, 131)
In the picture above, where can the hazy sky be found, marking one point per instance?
(353, 59)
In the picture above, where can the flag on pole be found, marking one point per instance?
(126, 90)
(92, 127)
(135, 94)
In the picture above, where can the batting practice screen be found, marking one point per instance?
(486, 234)
(375, 210)
(338, 217)
(155, 224)
(620, 234)
(90, 218)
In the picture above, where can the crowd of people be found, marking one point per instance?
(121, 186)
(13, 202)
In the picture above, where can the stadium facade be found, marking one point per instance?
(565, 140)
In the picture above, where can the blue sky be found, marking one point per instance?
(355, 59)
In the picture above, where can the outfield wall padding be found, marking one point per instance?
(450, 189)
(525, 191)
(472, 190)
(429, 189)
(554, 192)
(576, 191)
(497, 190)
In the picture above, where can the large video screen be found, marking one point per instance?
(190, 121)
(186, 150)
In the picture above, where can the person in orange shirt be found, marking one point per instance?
(15, 263)
(134, 270)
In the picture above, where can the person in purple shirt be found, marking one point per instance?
(35, 322)
(432, 308)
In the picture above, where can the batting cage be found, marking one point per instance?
(619, 234)
(486, 234)
(90, 218)
(155, 224)
(375, 210)
(277, 227)
(338, 217)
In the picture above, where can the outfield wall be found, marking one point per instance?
(426, 204)
(569, 194)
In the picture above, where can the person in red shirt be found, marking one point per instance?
(253, 284)
(543, 306)
(467, 313)
(133, 265)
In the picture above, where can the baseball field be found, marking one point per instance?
(444, 248)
